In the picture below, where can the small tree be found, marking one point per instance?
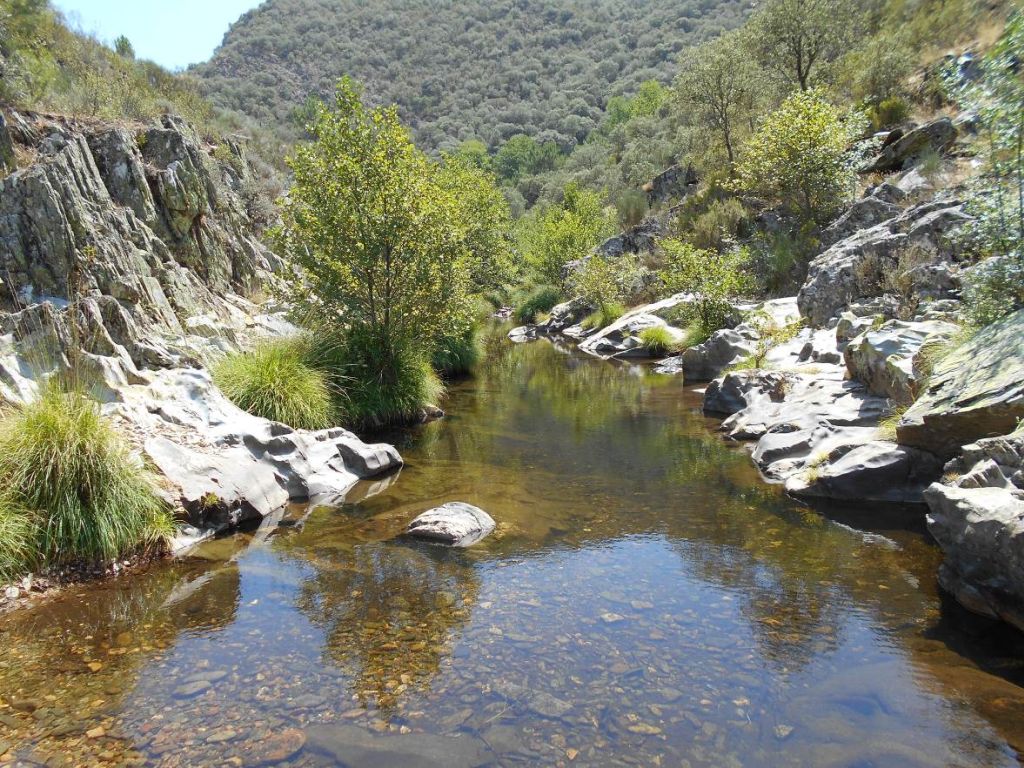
(598, 281)
(796, 37)
(800, 157)
(552, 237)
(718, 82)
(124, 48)
(376, 231)
(713, 280)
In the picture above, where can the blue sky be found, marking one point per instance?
(173, 33)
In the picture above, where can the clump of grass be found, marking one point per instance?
(540, 299)
(887, 426)
(278, 380)
(458, 355)
(73, 493)
(604, 316)
(657, 340)
(378, 384)
(693, 335)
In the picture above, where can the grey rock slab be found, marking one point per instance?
(368, 460)
(455, 524)
(354, 747)
(883, 357)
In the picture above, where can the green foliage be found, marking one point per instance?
(657, 340)
(72, 491)
(277, 381)
(522, 156)
(631, 207)
(487, 69)
(383, 385)
(797, 38)
(603, 316)
(876, 72)
(719, 226)
(994, 289)
(720, 83)
(799, 157)
(458, 355)
(714, 281)
(551, 237)
(887, 113)
(540, 299)
(474, 152)
(123, 47)
(599, 280)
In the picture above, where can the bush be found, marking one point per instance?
(458, 355)
(888, 112)
(994, 289)
(276, 381)
(604, 316)
(73, 493)
(799, 158)
(720, 225)
(540, 299)
(631, 207)
(714, 280)
(657, 340)
(383, 385)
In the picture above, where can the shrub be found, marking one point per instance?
(383, 384)
(720, 225)
(714, 280)
(888, 112)
(540, 299)
(657, 340)
(994, 288)
(87, 498)
(631, 207)
(458, 355)
(276, 381)
(799, 158)
(600, 281)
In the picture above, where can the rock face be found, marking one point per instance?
(723, 348)
(673, 183)
(151, 221)
(878, 204)
(643, 238)
(853, 269)
(902, 150)
(883, 358)
(456, 524)
(975, 392)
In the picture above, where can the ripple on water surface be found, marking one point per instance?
(645, 601)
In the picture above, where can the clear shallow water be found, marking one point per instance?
(646, 601)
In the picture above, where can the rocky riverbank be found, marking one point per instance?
(132, 254)
(877, 396)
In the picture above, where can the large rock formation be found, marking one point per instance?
(904, 148)
(853, 269)
(976, 391)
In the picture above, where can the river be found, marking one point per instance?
(646, 600)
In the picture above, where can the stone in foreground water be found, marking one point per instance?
(456, 524)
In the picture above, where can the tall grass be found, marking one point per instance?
(72, 491)
(603, 316)
(458, 355)
(539, 300)
(657, 340)
(279, 380)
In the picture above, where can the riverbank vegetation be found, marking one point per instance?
(73, 494)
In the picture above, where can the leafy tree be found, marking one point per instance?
(474, 152)
(485, 215)
(649, 99)
(551, 238)
(719, 82)
(522, 156)
(795, 38)
(376, 231)
(714, 280)
(124, 48)
(598, 280)
(799, 157)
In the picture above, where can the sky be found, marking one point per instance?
(174, 33)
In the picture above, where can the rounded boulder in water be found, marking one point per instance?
(455, 524)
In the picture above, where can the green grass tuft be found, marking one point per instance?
(540, 299)
(280, 381)
(887, 426)
(73, 493)
(657, 340)
(604, 317)
(458, 355)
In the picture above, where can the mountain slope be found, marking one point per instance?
(460, 68)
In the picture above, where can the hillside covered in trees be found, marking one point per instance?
(486, 69)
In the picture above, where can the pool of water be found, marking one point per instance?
(646, 600)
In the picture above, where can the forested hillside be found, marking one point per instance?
(487, 69)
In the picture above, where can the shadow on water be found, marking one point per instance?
(645, 600)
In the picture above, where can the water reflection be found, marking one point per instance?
(646, 600)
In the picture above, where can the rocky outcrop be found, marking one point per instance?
(883, 358)
(641, 239)
(149, 219)
(976, 391)
(879, 204)
(854, 269)
(872, 471)
(621, 338)
(455, 524)
(904, 148)
(671, 184)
